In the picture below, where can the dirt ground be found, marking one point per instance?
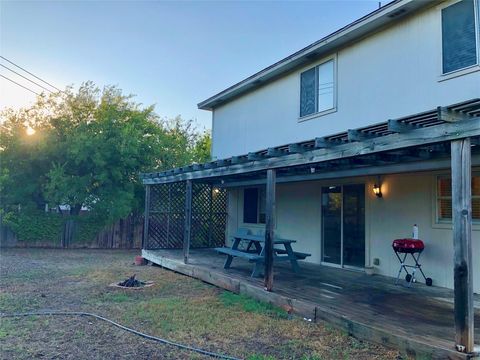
(177, 308)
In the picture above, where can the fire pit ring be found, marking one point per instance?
(132, 284)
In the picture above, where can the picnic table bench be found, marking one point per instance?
(255, 251)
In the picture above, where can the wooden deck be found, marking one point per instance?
(417, 320)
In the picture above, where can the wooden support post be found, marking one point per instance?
(462, 243)
(146, 217)
(169, 213)
(188, 221)
(269, 228)
(210, 214)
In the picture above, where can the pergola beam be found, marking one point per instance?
(238, 159)
(418, 137)
(322, 143)
(400, 126)
(272, 152)
(357, 135)
(254, 156)
(296, 149)
(222, 162)
(448, 115)
(320, 174)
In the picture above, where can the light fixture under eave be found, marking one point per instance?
(377, 190)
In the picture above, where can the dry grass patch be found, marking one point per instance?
(177, 307)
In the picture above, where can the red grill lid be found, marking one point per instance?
(408, 244)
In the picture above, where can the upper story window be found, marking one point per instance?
(317, 89)
(254, 205)
(460, 35)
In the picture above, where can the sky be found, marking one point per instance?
(170, 54)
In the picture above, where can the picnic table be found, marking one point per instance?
(255, 252)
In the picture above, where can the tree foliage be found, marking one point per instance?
(88, 149)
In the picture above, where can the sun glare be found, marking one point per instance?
(30, 131)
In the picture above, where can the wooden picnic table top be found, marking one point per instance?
(261, 238)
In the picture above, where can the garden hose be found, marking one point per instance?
(150, 337)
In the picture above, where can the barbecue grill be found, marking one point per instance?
(414, 247)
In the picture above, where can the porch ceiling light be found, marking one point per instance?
(377, 189)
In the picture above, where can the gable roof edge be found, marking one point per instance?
(367, 24)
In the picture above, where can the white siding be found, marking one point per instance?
(392, 73)
(408, 199)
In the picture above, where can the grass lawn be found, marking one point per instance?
(177, 308)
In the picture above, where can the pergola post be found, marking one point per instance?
(210, 214)
(188, 220)
(462, 243)
(269, 228)
(169, 213)
(146, 217)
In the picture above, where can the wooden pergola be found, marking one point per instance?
(429, 140)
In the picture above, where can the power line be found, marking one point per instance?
(28, 72)
(33, 82)
(26, 88)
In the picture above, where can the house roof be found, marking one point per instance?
(367, 24)
(376, 143)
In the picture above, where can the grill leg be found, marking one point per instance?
(402, 266)
(415, 267)
(412, 278)
(419, 266)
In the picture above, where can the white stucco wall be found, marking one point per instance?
(393, 73)
(407, 199)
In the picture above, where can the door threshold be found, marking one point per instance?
(344, 267)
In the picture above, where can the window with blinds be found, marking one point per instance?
(444, 198)
(317, 89)
(460, 35)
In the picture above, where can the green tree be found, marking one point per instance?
(88, 149)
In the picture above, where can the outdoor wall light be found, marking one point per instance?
(377, 190)
(216, 190)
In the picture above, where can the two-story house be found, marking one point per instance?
(363, 129)
(408, 58)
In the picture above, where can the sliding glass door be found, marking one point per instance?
(343, 225)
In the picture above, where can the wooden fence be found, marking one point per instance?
(124, 234)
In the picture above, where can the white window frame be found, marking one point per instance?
(471, 68)
(335, 90)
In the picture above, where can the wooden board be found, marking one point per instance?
(462, 243)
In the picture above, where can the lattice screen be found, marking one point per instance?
(166, 224)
